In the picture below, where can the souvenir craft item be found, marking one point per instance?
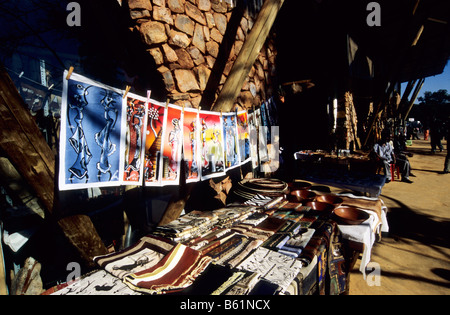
(244, 136)
(175, 272)
(146, 253)
(91, 134)
(191, 145)
(212, 146)
(134, 148)
(272, 266)
(270, 187)
(231, 140)
(188, 226)
(152, 160)
(171, 146)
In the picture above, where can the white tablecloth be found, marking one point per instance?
(366, 232)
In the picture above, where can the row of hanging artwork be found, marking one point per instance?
(110, 137)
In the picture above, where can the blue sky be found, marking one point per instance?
(435, 83)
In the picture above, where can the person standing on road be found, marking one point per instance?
(436, 136)
(447, 158)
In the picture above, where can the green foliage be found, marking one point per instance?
(432, 106)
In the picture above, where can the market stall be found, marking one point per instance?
(355, 171)
(277, 241)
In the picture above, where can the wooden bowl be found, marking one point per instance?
(319, 206)
(331, 199)
(299, 185)
(300, 195)
(350, 215)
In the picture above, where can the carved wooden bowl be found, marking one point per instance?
(300, 195)
(331, 199)
(350, 215)
(319, 206)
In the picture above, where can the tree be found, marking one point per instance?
(434, 105)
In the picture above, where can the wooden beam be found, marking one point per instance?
(81, 233)
(414, 97)
(23, 143)
(248, 55)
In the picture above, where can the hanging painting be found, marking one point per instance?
(212, 147)
(191, 144)
(244, 136)
(263, 153)
(253, 131)
(230, 134)
(172, 144)
(134, 148)
(155, 120)
(91, 133)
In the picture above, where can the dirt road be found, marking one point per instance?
(414, 258)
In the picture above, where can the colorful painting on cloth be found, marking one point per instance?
(191, 144)
(230, 134)
(91, 134)
(134, 149)
(253, 132)
(212, 146)
(155, 121)
(172, 145)
(244, 136)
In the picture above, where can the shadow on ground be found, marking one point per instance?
(405, 223)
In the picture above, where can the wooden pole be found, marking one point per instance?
(3, 286)
(81, 233)
(22, 141)
(24, 145)
(248, 55)
(414, 97)
(379, 110)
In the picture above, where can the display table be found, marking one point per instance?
(369, 231)
(242, 249)
(353, 172)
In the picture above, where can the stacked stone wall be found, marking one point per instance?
(194, 44)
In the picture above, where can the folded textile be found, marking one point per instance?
(226, 285)
(245, 285)
(307, 220)
(271, 224)
(230, 216)
(258, 200)
(98, 282)
(255, 219)
(295, 245)
(146, 253)
(252, 232)
(234, 250)
(288, 215)
(175, 272)
(221, 251)
(208, 281)
(274, 267)
(188, 226)
(207, 238)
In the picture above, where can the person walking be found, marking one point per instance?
(447, 158)
(436, 136)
